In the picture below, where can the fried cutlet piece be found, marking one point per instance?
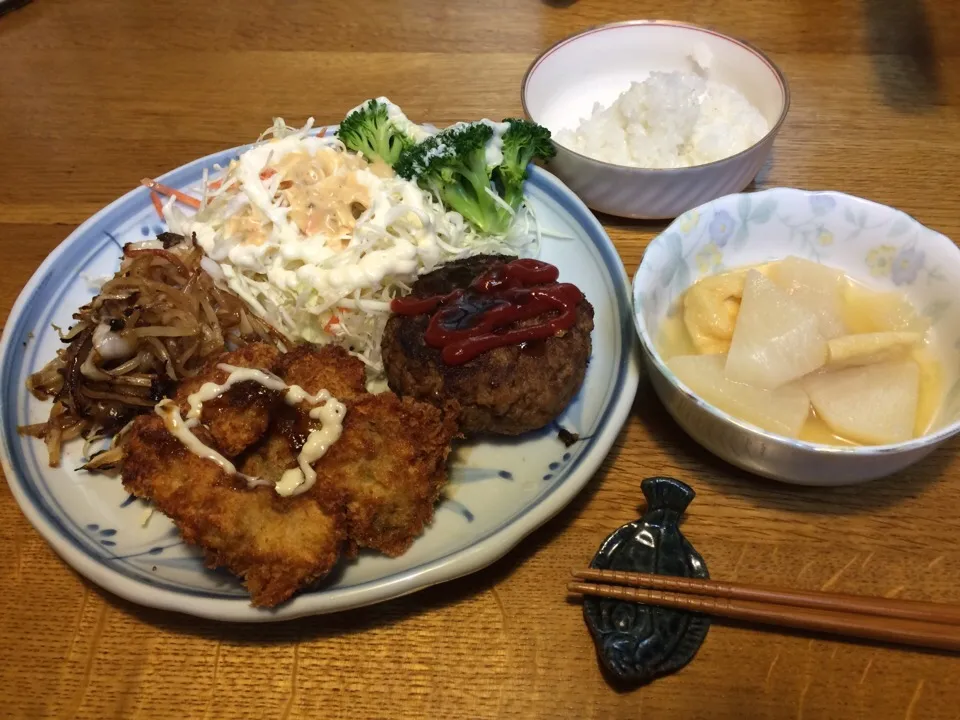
(508, 390)
(240, 416)
(329, 367)
(389, 463)
(277, 450)
(376, 486)
(276, 545)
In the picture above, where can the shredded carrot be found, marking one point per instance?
(267, 174)
(157, 203)
(334, 320)
(215, 185)
(171, 192)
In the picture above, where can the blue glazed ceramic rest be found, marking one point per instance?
(637, 643)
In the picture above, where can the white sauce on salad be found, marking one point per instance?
(317, 241)
(326, 408)
(494, 152)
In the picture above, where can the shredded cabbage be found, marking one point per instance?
(318, 242)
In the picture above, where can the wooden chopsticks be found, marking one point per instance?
(910, 622)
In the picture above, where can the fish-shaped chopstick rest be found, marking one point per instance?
(637, 643)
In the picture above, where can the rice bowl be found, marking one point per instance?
(670, 120)
(562, 85)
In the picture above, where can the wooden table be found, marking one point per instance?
(95, 95)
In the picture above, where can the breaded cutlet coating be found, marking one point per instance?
(276, 545)
(390, 465)
(376, 487)
(238, 417)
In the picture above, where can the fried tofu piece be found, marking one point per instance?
(276, 545)
(240, 416)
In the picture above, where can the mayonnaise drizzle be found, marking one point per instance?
(300, 479)
(301, 277)
(182, 430)
(327, 409)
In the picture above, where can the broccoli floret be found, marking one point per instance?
(523, 141)
(370, 131)
(453, 166)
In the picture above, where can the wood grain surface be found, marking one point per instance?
(95, 95)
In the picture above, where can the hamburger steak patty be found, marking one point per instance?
(508, 390)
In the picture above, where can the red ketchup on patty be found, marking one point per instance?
(466, 323)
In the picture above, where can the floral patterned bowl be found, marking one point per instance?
(876, 245)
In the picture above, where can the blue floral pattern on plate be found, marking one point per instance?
(497, 494)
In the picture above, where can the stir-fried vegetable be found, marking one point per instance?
(157, 321)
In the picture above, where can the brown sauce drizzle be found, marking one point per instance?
(293, 425)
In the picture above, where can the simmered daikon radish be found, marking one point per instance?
(782, 411)
(816, 287)
(869, 311)
(776, 339)
(774, 334)
(875, 404)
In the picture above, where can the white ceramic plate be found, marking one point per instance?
(498, 492)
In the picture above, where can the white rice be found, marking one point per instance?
(669, 120)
